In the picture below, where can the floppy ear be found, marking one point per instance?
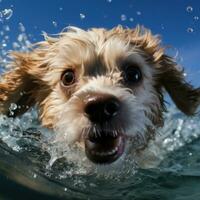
(184, 95)
(20, 85)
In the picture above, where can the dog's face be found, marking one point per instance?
(98, 88)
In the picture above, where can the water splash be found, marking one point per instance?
(177, 132)
(22, 43)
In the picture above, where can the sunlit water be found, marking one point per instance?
(37, 167)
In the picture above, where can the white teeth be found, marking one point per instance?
(105, 153)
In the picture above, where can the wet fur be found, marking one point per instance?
(95, 55)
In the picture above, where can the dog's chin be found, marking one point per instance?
(105, 147)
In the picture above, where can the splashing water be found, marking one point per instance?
(50, 165)
(22, 43)
(175, 148)
(177, 132)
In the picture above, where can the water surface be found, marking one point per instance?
(27, 169)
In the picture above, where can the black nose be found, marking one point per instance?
(101, 107)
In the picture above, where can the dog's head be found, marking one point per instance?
(100, 88)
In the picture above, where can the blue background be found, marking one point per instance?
(169, 18)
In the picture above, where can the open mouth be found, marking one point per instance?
(104, 147)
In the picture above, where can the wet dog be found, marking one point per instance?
(102, 89)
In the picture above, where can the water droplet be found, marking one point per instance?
(6, 28)
(7, 13)
(173, 52)
(55, 23)
(34, 175)
(109, 1)
(21, 93)
(21, 27)
(6, 37)
(13, 106)
(123, 17)
(196, 18)
(162, 27)
(20, 37)
(138, 12)
(4, 44)
(16, 148)
(82, 16)
(190, 30)
(1, 17)
(15, 45)
(131, 19)
(65, 189)
(189, 9)
(61, 9)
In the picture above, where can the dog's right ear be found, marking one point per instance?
(20, 85)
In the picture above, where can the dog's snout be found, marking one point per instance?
(101, 107)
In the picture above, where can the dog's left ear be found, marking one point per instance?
(184, 95)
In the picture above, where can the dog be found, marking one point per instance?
(101, 89)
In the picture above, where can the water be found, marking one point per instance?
(32, 167)
(35, 170)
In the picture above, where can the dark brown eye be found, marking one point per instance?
(132, 74)
(68, 77)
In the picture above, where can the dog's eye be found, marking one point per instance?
(68, 77)
(132, 74)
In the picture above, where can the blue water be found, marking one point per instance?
(33, 168)
(27, 166)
